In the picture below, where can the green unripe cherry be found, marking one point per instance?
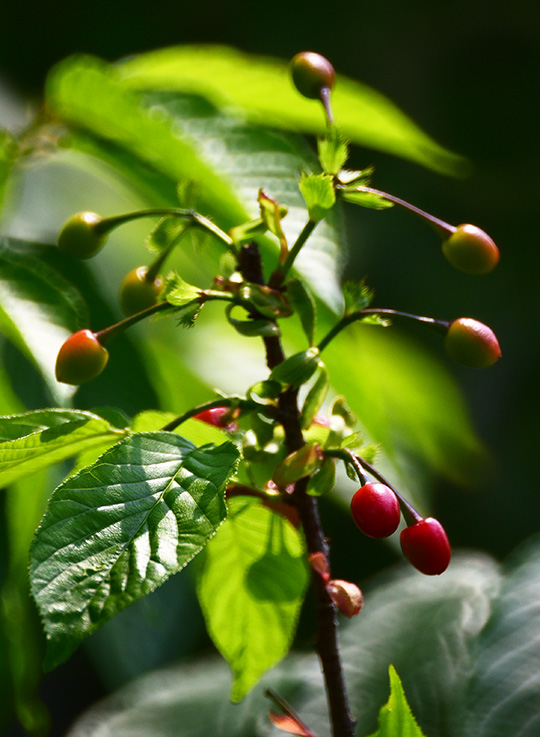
(472, 343)
(81, 358)
(311, 73)
(137, 292)
(80, 236)
(471, 250)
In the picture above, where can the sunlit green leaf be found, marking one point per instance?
(35, 440)
(318, 192)
(251, 589)
(395, 717)
(261, 86)
(121, 527)
(303, 304)
(333, 151)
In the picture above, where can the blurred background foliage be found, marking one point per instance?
(465, 72)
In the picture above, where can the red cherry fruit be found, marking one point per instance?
(80, 358)
(375, 510)
(426, 546)
(216, 416)
(471, 250)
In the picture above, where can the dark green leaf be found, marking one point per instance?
(251, 589)
(315, 397)
(323, 479)
(35, 440)
(269, 302)
(298, 464)
(121, 527)
(39, 309)
(254, 328)
(297, 369)
(503, 695)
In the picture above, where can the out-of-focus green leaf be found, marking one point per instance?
(8, 150)
(262, 88)
(86, 91)
(298, 368)
(39, 309)
(405, 399)
(251, 589)
(184, 138)
(119, 528)
(503, 695)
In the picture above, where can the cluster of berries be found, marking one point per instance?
(376, 511)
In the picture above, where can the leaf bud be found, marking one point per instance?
(346, 596)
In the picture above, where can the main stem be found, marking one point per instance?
(327, 638)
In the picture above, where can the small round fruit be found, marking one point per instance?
(471, 250)
(137, 292)
(472, 343)
(81, 358)
(310, 73)
(80, 236)
(216, 416)
(426, 546)
(375, 510)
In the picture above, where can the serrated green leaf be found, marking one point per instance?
(178, 292)
(318, 192)
(303, 304)
(261, 86)
(297, 369)
(395, 717)
(34, 440)
(357, 296)
(120, 528)
(333, 151)
(39, 309)
(251, 589)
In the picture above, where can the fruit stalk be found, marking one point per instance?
(327, 637)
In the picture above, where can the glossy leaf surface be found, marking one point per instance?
(121, 527)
